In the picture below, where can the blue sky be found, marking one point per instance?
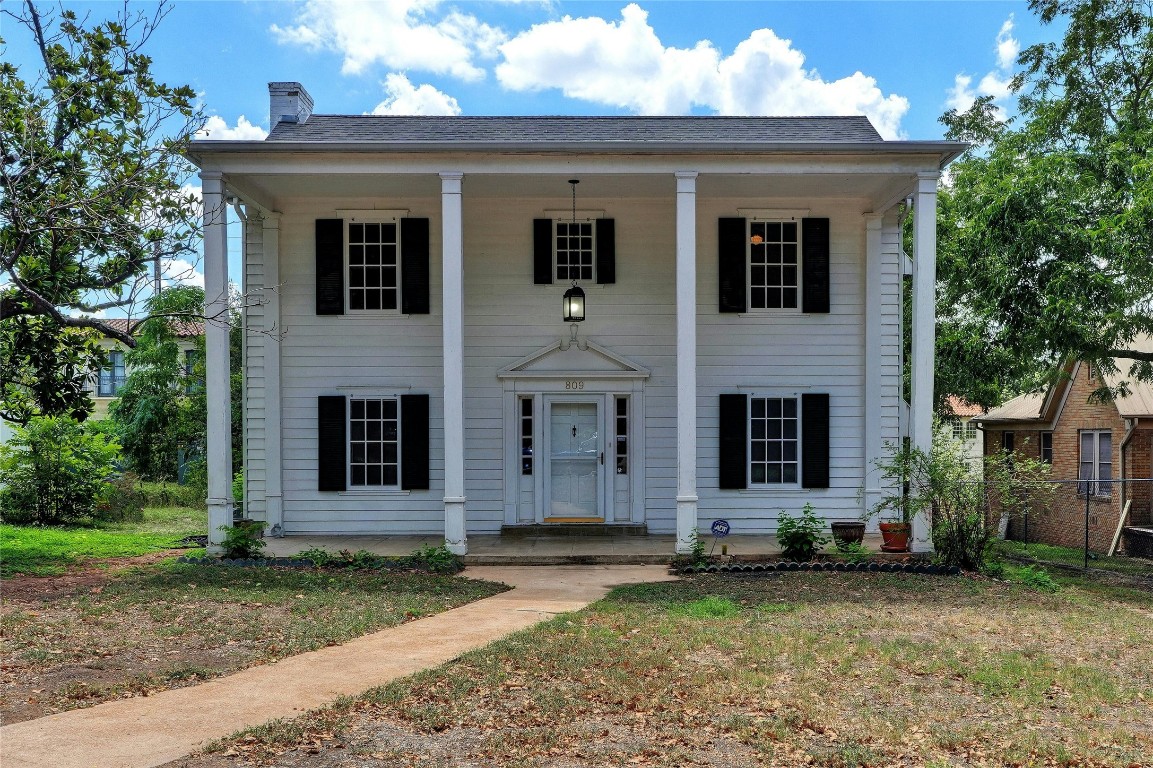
(901, 63)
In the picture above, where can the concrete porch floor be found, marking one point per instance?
(654, 549)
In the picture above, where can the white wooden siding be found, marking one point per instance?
(508, 317)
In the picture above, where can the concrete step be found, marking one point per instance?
(573, 529)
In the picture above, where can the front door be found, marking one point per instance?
(575, 462)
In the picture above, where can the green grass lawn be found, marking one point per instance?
(39, 551)
(1047, 553)
(825, 669)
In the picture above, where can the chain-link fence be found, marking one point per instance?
(1098, 517)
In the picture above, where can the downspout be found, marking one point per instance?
(240, 214)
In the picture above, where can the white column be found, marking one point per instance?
(874, 292)
(924, 329)
(686, 359)
(452, 259)
(217, 389)
(271, 343)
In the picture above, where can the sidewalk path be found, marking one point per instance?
(140, 732)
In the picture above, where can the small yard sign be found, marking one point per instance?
(720, 528)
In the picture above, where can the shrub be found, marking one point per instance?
(171, 495)
(800, 537)
(120, 501)
(1037, 578)
(243, 540)
(52, 471)
(435, 559)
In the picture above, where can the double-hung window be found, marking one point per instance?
(372, 262)
(773, 441)
(372, 442)
(193, 381)
(774, 264)
(769, 264)
(581, 250)
(112, 376)
(1047, 447)
(1096, 468)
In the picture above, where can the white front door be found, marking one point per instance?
(575, 462)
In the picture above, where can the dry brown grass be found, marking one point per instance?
(797, 669)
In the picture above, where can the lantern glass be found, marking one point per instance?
(574, 305)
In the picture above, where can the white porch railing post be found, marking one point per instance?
(924, 329)
(455, 537)
(217, 389)
(686, 360)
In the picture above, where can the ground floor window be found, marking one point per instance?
(373, 438)
(1096, 463)
(1047, 447)
(774, 439)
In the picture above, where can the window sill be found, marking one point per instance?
(368, 493)
(774, 313)
(775, 490)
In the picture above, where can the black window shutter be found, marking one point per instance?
(606, 232)
(815, 440)
(542, 249)
(734, 448)
(414, 442)
(731, 257)
(414, 266)
(331, 443)
(330, 266)
(815, 264)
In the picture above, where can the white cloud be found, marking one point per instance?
(403, 98)
(217, 129)
(624, 64)
(180, 272)
(994, 83)
(400, 34)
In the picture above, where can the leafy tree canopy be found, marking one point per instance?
(91, 176)
(1046, 224)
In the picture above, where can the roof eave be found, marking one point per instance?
(946, 151)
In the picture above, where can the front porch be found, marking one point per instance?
(495, 549)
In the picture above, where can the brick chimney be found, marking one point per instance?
(288, 103)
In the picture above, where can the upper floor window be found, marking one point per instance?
(193, 380)
(564, 250)
(112, 376)
(575, 254)
(1096, 467)
(373, 268)
(774, 260)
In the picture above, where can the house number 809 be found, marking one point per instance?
(574, 385)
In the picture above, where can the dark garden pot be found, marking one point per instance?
(847, 533)
(896, 536)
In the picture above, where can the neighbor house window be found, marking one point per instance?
(373, 439)
(112, 376)
(1007, 439)
(574, 251)
(970, 430)
(1096, 463)
(193, 382)
(774, 441)
(956, 426)
(774, 259)
(373, 273)
(1047, 447)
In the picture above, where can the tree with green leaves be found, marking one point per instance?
(91, 196)
(1046, 224)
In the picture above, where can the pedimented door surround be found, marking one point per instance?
(563, 373)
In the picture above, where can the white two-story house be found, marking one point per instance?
(462, 324)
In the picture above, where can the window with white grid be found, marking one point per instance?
(773, 264)
(774, 440)
(1096, 463)
(372, 266)
(574, 250)
(373, 442)
(112, 377)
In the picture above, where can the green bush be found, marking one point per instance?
(800, 537)
(243, 540)
(1037, 578)
(435, 559)
(120, 501)
(53, 471)
(171, 495)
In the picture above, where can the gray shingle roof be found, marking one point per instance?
(521, 130)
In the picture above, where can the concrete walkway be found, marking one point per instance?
(140, 732)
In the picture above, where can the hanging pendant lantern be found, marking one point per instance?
(574, 305)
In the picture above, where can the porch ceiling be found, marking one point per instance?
(271, 190)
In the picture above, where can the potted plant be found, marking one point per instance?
(847, 533)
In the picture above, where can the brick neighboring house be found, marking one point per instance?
(1083, 441)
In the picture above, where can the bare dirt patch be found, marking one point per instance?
(92, 574)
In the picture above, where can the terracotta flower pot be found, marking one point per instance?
(896, 536)
(847, 533)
